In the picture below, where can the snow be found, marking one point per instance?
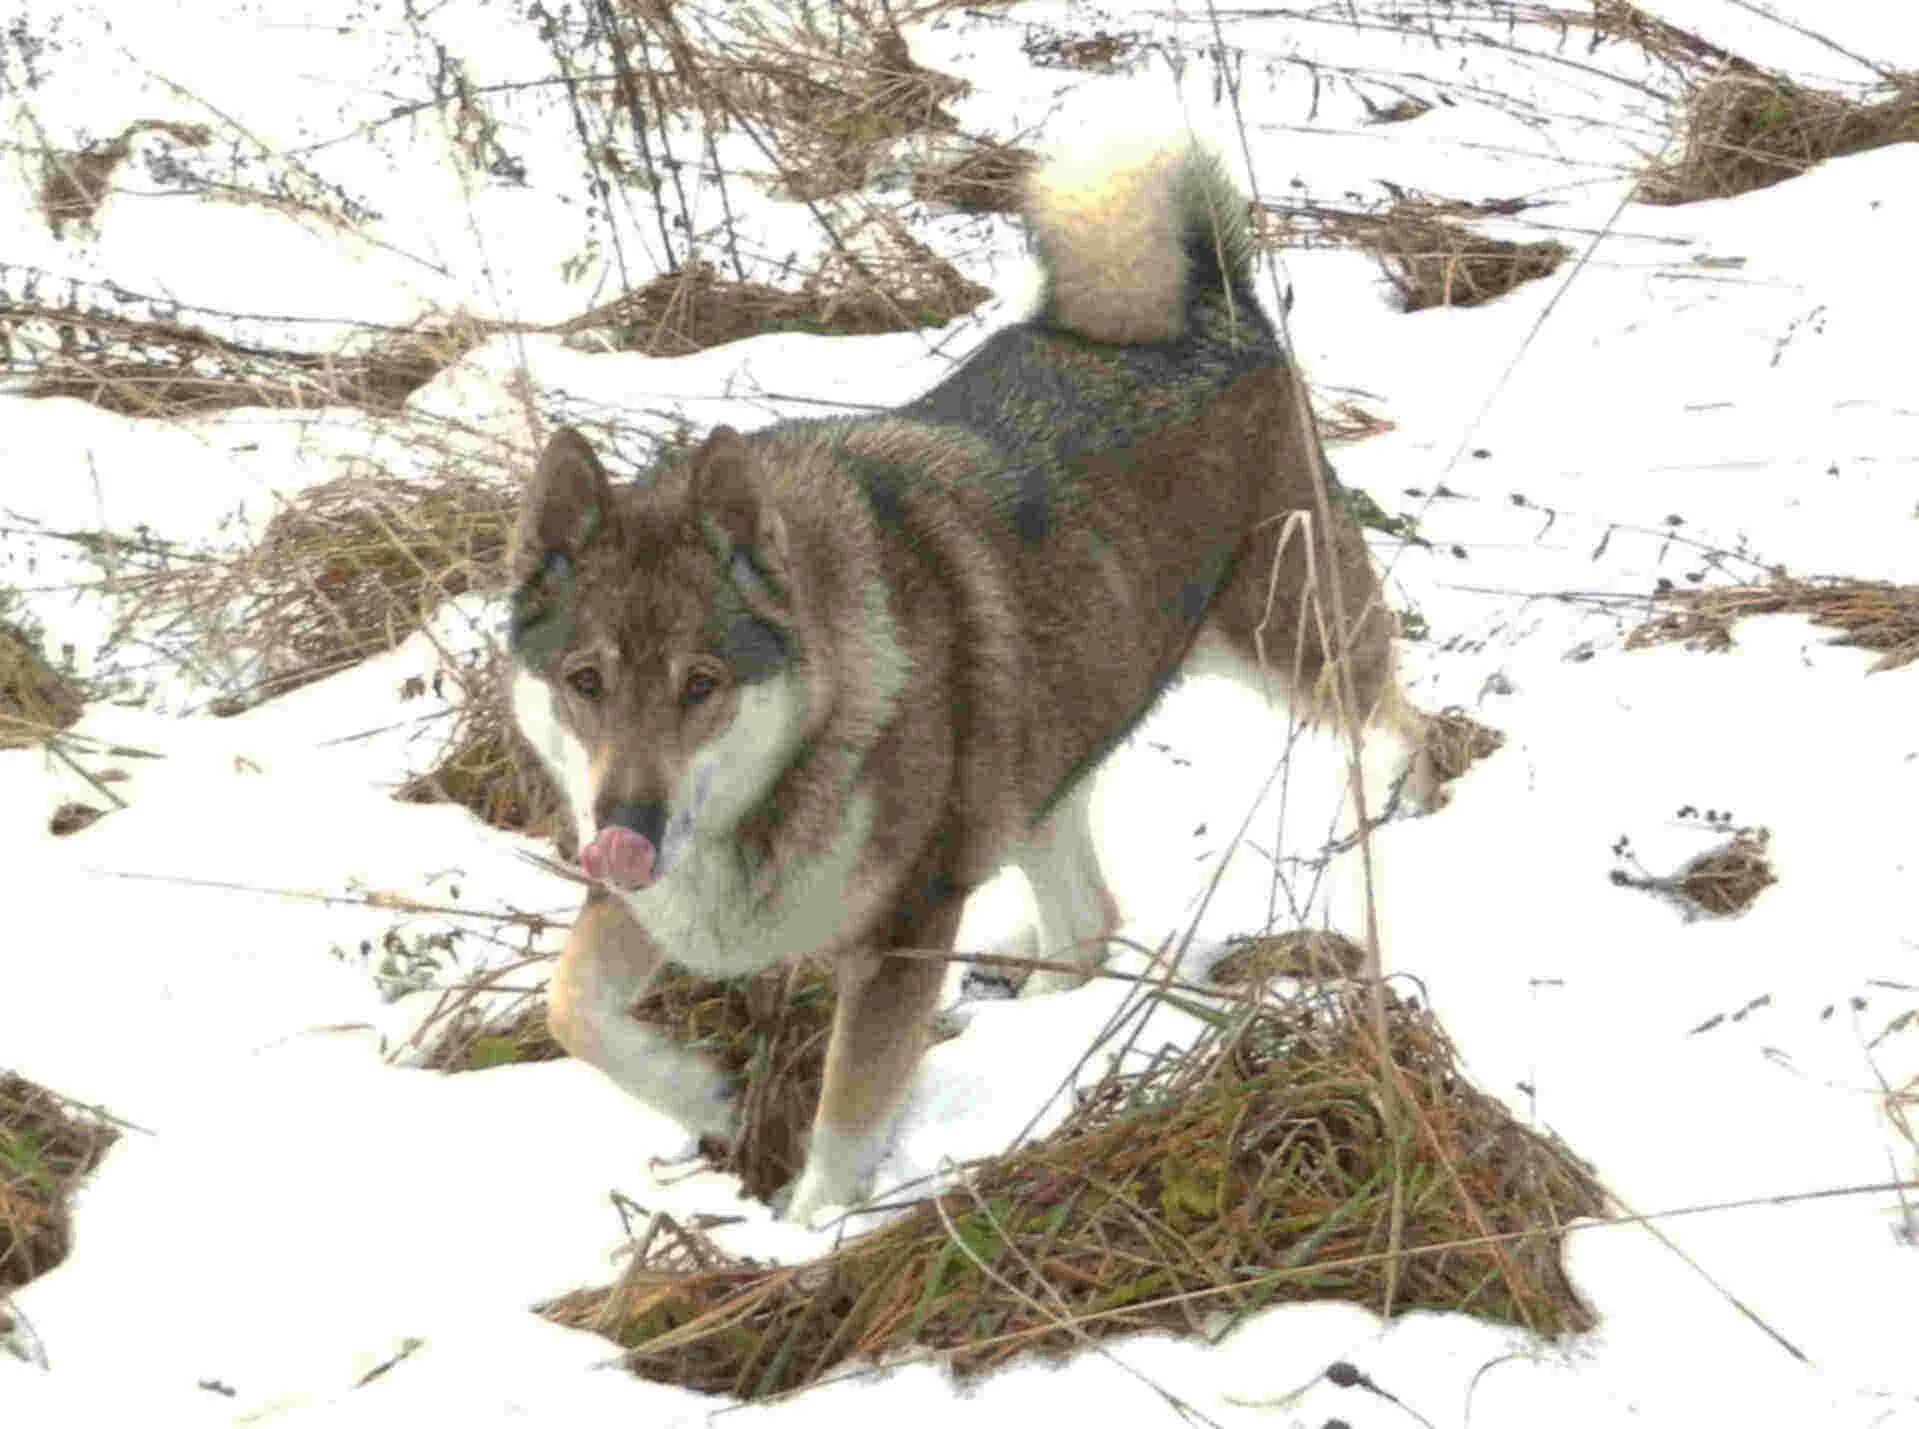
(1717, 389)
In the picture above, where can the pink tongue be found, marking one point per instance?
(620, 857)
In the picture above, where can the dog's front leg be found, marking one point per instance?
(880, 1027)
(608, 964)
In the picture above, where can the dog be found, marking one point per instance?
(804, 690)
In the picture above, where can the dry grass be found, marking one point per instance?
(825, 91)
(1873, 615)
(769, 1032)
(76, 183)
(70, 818)
(1431, 257)
(45, 1150)
(1455, 742)
(1744, 129)
(1311, 953)
(1256, 1170)
(170, 370)
(1728, 879)
(485, 764)
(36, 700)
(344, 570)
(885, 280)
(988, 178)
(1101, 52)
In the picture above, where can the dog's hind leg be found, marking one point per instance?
(608, 965)
(880, 1026)
(1076, 912)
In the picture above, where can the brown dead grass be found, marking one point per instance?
(1311, 953)
(46, 1148)
(886, 281)
(1728, 879)
(1257, 1170)
(173, 371)
(1744, 129)
(76, 182)
(988, 178)
(36, 700)
(344, 570)
(1455, 742)
(1873, 615)
(1101, 52)
(768, 1031)
(1423, 245)
(486, 766)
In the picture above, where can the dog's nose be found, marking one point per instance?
(646, 820)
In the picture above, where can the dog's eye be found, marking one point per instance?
(699, 686)
(586, 683)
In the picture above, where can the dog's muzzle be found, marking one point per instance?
(625, 852)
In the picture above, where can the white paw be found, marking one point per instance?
(839, 1165)
(814, 1205)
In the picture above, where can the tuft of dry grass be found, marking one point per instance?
(45, 1150)
(1101, 52)
(1745, 129)
(1727, 879)
(76, 183)
(72, 817)
(1431, 257)
(1455, 742)
(768, 1031)
(485, 765)
(1873, 615)
(344, 570)
(988, 178)
(1312, 953)
(36, 700)
(1256, 1170)
(885, 281)
(143, 368)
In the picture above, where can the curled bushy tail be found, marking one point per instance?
(1129, 240)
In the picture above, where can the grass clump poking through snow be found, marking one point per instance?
(1744, 129)
(1260, 1168)
(36, 700)
(140, 367)
(1431, 258)
(1873, 615)
(45, 1149)
(769, 1031)
(988, 178)
(884, 280)
(487, 767)
(344, 570)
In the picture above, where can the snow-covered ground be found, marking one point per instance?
(1716, 389)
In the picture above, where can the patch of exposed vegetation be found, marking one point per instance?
(1101, 52)
(1311, 953)
(1873, 615)
(884, 280)
(1745, 129)
(485, 765)
(988, 178)
(47, 1145)
(76, 183)
(1423, 245)
(344, 570)
(1261, 1168)
(1721, 882)
(1455, 742)
(172, 370)
(36, 700)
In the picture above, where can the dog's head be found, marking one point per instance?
(654, 642)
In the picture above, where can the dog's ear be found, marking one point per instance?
(567, 503)
(726, 492)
